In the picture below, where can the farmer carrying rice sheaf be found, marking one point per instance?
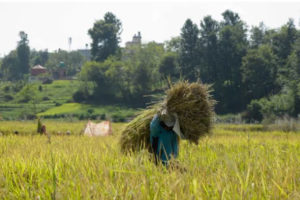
(164, 136)
(185, 113)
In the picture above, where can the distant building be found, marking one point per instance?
(136, 40)
(37, 70)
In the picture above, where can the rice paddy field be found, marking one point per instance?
(236, 162)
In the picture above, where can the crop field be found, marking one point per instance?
(236, 162)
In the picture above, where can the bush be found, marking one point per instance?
(46, 98)
(79, 96)
(8, 97)
(40, 88)
(47, 81)
(57, 103)
(253, 112)
(6, 88)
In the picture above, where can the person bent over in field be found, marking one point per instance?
(164, 136)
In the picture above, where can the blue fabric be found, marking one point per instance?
(167, 141)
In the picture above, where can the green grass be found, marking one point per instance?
(49, 96)
(234, 163)
(53, 102)
(115, 113)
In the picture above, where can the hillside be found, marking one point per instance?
(24, 101)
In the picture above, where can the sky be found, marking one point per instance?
(49, 24)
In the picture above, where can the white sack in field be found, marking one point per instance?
(100, 129)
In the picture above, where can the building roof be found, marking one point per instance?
(38, 67)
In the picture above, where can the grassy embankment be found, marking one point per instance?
(236, 162)
(54, 101)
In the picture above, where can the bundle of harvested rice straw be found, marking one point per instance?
(190, 101)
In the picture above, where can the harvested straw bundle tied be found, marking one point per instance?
(193, 106)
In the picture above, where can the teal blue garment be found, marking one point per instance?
(164, 142)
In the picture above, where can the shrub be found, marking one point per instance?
(6, 88)
(46, 98)
(47, 81)
(8, 97)
(253, 112)
(79, 96)
(40, 88)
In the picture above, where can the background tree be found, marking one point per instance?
(39, 57)
(257, 36)
(105, 36)
(173, 45)
(233, 45)
(259, 71)
(169, 66)
(291, 78)
(73, 61)
(189, 51)
(9, 67)
(283, 40)
(23, 54)
(209, 29)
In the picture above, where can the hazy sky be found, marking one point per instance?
(49, 24)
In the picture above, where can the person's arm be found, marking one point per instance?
(175, 146)
(154, 127)
(154, 136)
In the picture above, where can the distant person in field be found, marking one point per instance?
(43, 130)
(164, 136)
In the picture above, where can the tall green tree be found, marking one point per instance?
(9, 67)
(257, 36)
(283, 40)
(23, 53)
(105, 36)
(232, 47)
(189, 51)
(173, 45)
(209, 29)
(39, 57)
(291, 77)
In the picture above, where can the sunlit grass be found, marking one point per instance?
(236, 162)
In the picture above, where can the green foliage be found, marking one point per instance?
(88, 111)
(72, 62)
(105, 36)
(39, 57)
(232, 47)
(260, 60)
(258, 35)
(240, 67)
(9, 66)
(169, 66)
(253, 112)
(278, 105)
(23, 54)
(173, 45)
(16, 64)
(209, 29)
(29, 100)
(283, 40)
(189, 51)
(122, 81)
